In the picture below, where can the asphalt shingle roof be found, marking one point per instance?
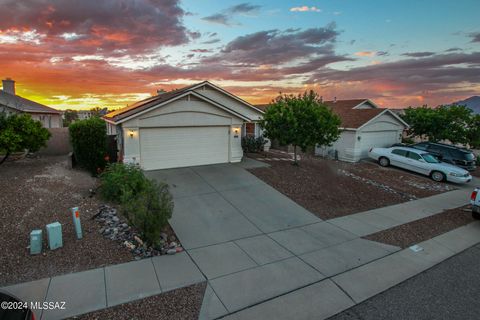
(24, 105)
(141, 105)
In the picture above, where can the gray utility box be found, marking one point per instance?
(54, 235)
(36, 242)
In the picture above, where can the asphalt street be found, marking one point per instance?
(450, 290)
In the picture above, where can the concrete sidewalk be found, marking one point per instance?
(372, 221)
(101, 288)
(325, 298)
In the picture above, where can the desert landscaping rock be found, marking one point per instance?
(23, 184)
(39, 191)
(182, 303)
(116, 228)
(358, 186)
(423, 229)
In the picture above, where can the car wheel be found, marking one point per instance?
(437, 176)
(384, 162)
(476, 215)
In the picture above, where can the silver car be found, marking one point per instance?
(421, 162)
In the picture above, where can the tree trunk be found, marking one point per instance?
(5, 157)
(295, 155)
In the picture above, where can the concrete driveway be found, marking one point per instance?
(219, 203)
(251, 242)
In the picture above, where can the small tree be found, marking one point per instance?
(89, 142)
(442, 123)
(473, 132)
(454, 121)
(70, 117)
(301, 120)
(19, 132)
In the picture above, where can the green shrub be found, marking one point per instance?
(252, 144)
(146, 204)
(89, 143)
(149, 210)
(120, 178)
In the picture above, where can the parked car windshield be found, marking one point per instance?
(430, 158)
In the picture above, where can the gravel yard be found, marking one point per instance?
(476, 173)
(39, 191)
(182, 304)
(420, 230)
(331, 189)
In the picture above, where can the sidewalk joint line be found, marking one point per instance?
(105, 286)
(156, 275)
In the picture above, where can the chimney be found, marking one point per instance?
(334, 99)
(9, 86)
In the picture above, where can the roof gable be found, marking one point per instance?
(142, 106)
(389, 112)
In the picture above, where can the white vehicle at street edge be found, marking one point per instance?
(475, 202)
(421, 162)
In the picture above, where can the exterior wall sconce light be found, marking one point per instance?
(359, 138)
(131, 133)
(236, 132)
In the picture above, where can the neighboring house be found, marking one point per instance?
(364, 125)
(196, 125)
(12, 103)
(87, 114)
(84, 114)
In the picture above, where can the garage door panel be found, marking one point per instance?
(379, 139)
(163, 148)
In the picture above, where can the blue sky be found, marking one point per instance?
(373, 25)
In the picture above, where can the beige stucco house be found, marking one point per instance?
(364, 125)
(197, 125)
(10, 103)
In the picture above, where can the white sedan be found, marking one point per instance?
(421, 162)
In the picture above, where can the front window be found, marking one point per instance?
(250, 129)
(430, 158)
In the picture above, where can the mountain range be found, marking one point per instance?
(473, 103)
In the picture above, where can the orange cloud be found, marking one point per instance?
(365, 53)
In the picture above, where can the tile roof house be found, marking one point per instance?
(364, 125)
(195, 125)
(10, 102)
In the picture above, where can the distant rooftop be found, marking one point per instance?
(9, 98)
(23, 104)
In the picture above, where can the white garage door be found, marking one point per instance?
(378, 139)
(162, 148)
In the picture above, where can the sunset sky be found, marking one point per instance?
(110, 53)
